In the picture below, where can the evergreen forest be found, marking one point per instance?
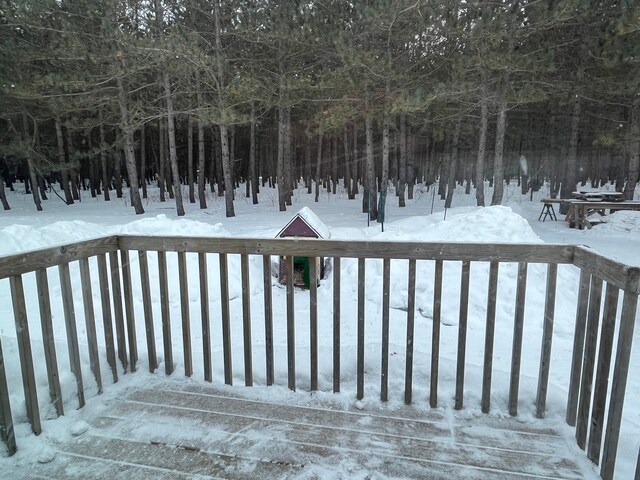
(203, 97)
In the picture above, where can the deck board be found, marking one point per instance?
(196, 431)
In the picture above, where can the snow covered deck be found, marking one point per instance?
(177, 430)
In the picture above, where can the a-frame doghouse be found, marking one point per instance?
(306, 224)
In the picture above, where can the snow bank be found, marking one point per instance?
(162, 225)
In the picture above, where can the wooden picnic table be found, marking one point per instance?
(579, 210)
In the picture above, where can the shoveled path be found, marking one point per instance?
(194, 431)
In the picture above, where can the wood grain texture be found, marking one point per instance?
(291, 326)
(24, 352)
(204, 316)
(547, 337)
(128, 308)
(118, 315)
(336, 323)
(411, 307)
(489, 337)
(17, 264)
(226, 318)
(609, 270)
(619, 384)
(165, 313)
(246, 320)
(184, 313)
(268, 317)
(72, 333)
(435, 334)
(586, 383)
(384, 368)
(7, 434)
(48, 340)
(578, 347)
(462, 334)
(107, 319)
(603, 367)
(518, 330)
(90, 322)
(145, 284)
(360, 348)
(313, 322)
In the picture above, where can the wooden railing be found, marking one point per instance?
(589, 392)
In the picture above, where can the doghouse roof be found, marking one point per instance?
(305, 223)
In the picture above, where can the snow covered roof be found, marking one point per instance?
(310, 220)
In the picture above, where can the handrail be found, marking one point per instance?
(590, 390)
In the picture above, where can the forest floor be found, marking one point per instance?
(423, 219)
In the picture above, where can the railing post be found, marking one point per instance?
(313, 321)
(518, 328)
(105, 299)
(226, 320)
(360, 348)
(7, 434)
(165, 313)
(48, 340)
(411, 302)
(246, 320)
(118, 315)
(384, 369)
(184, 312)
(620, 374)
(588, 363)
(128, 307)
(204, 316)
(462, 333)
(90, 321)
(268, 318)
(291, 326)
(71, 328)
(148, 310)
(435, 334)
(489, 337)
(547, 337)
(336, 324)
(578, 347)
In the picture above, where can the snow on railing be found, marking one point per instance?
(435, 279)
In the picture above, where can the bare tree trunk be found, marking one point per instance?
(288, 167)
(173, 156)
(253, 172)
(282, 189)
(3, 196)
(634, 153)
(73, 174)
(347, 162)
(482, 149)
(498, 164)
(192, 193)
(570, 179)
(307, 166)
(162, 156)
(106, 183)
(453, 164)
(369, 199)
(143, 161)
(64, 176)
(32, 173)
(318, 163)
(354, 164)
(130, 158)
(201, 157)
(411, 168)
(402, 174)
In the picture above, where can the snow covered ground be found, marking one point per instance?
(23, 229)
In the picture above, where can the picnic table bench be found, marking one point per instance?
(579, 210)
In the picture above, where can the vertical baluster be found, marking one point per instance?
(128, 308)
(105, 299)
(411, 302)
(117, 309)
(226, 322)
(48, 340)
(70, 325)
(518, 330)
(291, 326)
(184, 309)
(148, 311)
(7, 435)
(360, 360)
(384, 369)
(619, 382)
(90, 321)
(578, 347)
(24, 351)
(336, 324)
(435, 334)
(489, 336)
(547, 336)
(268, 317)
(313, 320)
(462, 333)
(593, 319)
(204, 316)
(602, 375)
(246, 320)
(165, 312)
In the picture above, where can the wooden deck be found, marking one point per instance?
(185, 431)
